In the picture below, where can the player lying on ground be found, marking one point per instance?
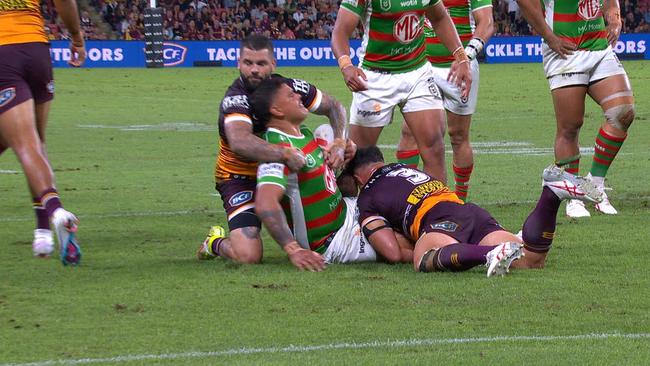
(323, 224)
(451, 235)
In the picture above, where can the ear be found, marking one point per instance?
(276, 111)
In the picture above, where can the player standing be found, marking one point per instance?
(394, 72)
(475, 26)
(26, 91)
(579, 60)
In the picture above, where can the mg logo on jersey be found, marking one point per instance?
(589, 9)
(407, 28)
(173, 54)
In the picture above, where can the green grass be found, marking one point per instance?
(134, 151)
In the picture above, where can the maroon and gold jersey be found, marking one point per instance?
(401, 196)
(21, 22)
(235, 108)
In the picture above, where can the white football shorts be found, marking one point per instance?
(581, 68)
(451, 98)
(349, 244)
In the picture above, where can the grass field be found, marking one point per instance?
(134, 151)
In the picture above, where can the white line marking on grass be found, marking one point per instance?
(333, 346)
(504, 148)
(2, 171)
(121, 214)
(170, 126)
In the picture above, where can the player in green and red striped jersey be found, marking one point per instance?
(475, 25)
(579, 60)
(325, 229)
(394, 71)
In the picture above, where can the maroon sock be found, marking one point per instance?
(216, 245)
(42, 219)
(50, 201)
(539, 228)
(460, 257)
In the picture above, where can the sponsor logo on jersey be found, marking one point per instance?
(432, 187)
(364, 114)
(589, 9)
(384, 5)
(407, 28)
(173, 54)
(445, 226)
(7, 95)
(433, 88)
(300, 86)
(270, 170)
(408, 3)
(240, 198)
(235, 101)
(310, 161)
(425, 2)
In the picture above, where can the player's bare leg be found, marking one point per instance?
(244, 245)
(19, 131)
(365, 136)
(407, 148)
(615, 97)
(458, 127)
(428, 128)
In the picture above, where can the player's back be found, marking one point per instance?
(21, 22)
(396, 192)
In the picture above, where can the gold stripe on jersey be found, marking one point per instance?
(427, 205)
(237, 117)
(21, 22)
(229, 164)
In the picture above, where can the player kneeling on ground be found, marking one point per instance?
(451, 235)
(324, 227)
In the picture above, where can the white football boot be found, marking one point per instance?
(576, 209)
(605, 206)
(43, 244)
(499, 259)
(568, 186)
(65, 226)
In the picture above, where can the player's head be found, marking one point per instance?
(256, 60)
(274, 99)
(364, 163)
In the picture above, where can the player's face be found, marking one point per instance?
(255, 66)
(289, 102)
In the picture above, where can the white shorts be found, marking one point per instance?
(412, 91)
(581, 68)
(451, 98)
(349, 244)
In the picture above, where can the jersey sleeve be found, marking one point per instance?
(355, 6)
(272, 173)
(310, 95)
(236, 108)
(367, 211)
(478, 4)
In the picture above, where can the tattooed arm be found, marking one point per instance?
(337, 115)
(269, 210)
(243, 142)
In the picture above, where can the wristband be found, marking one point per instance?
(474, 47)
(460, 55)
(344, 62)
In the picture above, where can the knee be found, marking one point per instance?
(458, 136)
(249, 257)
(569, 131)
(621, 116)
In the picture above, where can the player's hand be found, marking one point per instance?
(461, 75)
(355, 78)
(305, 259)
(335, 153)
(293, 158)
(562, 47)
(350, 150)
(77, 50)
(613, 29)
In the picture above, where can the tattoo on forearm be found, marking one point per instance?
(335, 112)
(246, 144)
(276, 224)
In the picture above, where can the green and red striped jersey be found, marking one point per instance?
(313, 202)
(393, 39)
(461, 14)
(578, 21)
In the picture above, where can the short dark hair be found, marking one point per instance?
(257, 42)
(261, 100)
(364, 156)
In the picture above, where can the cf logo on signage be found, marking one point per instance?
(173, 54)
(407, 28)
